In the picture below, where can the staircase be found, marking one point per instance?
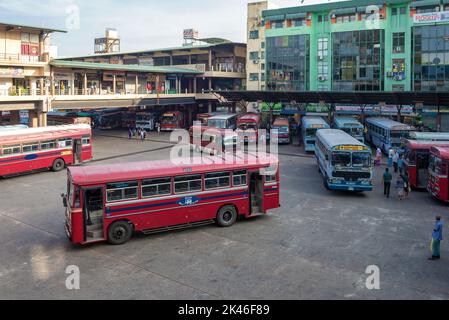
(95, 232)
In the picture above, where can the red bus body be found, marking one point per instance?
(172, 120)
(39, 148)
(203, 117)
(213, 139)
(248, 127)
(438, 185)
(282, 126)
(416, 161)
(62, 120)
(247, 188)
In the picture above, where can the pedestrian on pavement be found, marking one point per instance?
(401, 164)
(405, 177)
(142, 135)
(158, 127)
(396, 162)
(387, 178)
(378, 158)
(400, 188)
(390, 158)
(437, 237)
(130, 133)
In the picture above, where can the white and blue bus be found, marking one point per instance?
(387, 134)
(351, 126)
(345, 163)
(310, 126)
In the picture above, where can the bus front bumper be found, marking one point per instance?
(350, 187)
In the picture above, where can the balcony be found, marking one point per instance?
(16, 57)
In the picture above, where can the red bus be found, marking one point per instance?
(109, 203)
(416, 161)
(61, 119)
(39, 148)
(248, 127)
(438, 185)
(282, 126)
(172, 120)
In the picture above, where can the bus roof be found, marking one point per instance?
(224, 116)
(156, 169)
(250, 117)
(13, 127)
(430, 136)
(332, 138)
(281, 122)
(389, 124)
(54, 132)
(425, 145)
(442, 152)
(345, 121)
(310, 121)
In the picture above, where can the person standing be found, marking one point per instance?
(378, 157)
(437, 237)
(405, 177)
(142, 135)
(401, 164)
(390, 158)
(130, 133)
(396, 161)
(387, 178)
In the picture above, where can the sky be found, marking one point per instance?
(142, 24)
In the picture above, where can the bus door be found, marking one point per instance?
(93, 210)
(422, 169)
(77, 151)
(256, 193)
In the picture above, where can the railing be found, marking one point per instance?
(16, 57)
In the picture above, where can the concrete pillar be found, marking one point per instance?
(210, 84)
(41, 84)
(33, 119)
(137, 84)
(195, 84)
(52, 84)
(85, 85)
(101, 88)
(72, 85)
(42, 119)
(210, 60)
(114, 84)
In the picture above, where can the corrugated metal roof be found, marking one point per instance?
(119, 67)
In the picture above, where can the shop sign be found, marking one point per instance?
(10, 72)
(433, 17)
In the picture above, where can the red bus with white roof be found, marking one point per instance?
(438, 185)
(39, 148)
(248, 127)
(111, 202)
(172, 120)
(282, 126)
(416, 161)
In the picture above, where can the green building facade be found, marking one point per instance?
(358, 45)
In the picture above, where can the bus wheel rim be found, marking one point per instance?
(227, 216)
(119, 233)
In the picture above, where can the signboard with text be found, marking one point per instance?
(433, 17)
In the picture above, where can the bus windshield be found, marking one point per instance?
(169, 120)
(361, 159)
(217, 123)
(311, 133)
(399, 134)
(247, 126)
(282, 129)
(341, 159)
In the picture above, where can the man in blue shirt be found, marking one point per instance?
(437, 237)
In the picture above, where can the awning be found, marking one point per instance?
(363, 9)
(342, 11)
(275, 18)
(425, 3)
(293, 16)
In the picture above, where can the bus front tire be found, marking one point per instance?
(58, 165)
(227, 216)
(119, 233)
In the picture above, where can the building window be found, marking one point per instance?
(398, 42)
(278, 24)
(262, 77)
(253, 77)
(402, 10)
(254, 55)
(323, 70)
(347, 18)
(299, 22)
(254, 34)
(427, 9)
(394, 11)
(357, 60)
(323, 47)
(262, 44)
(287, 63)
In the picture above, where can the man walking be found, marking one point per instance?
(437, 237)
(396, 161)
(387, 178)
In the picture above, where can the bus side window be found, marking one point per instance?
(217, 180)
(186, 184)
(47, 145)
(11, 150)
(270, 178)
(86, 141)
(77, 197)
(240, 178)
(122, 191)
(31, 147)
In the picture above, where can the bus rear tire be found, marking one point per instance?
(58, 165)
(119, 233)
(227, 216)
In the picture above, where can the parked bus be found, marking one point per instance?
(417, 159)
(345, 162)
(172, 120)
(111, 119)
(351, 126)
(429, 136)
(387, 134)
(66, 118)
(438, 185)
(248, 127)
(282, 126)
(109, 203)
(13, 127)
(146, 120)
(225, 121)
(310, 126)
(39, 148)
